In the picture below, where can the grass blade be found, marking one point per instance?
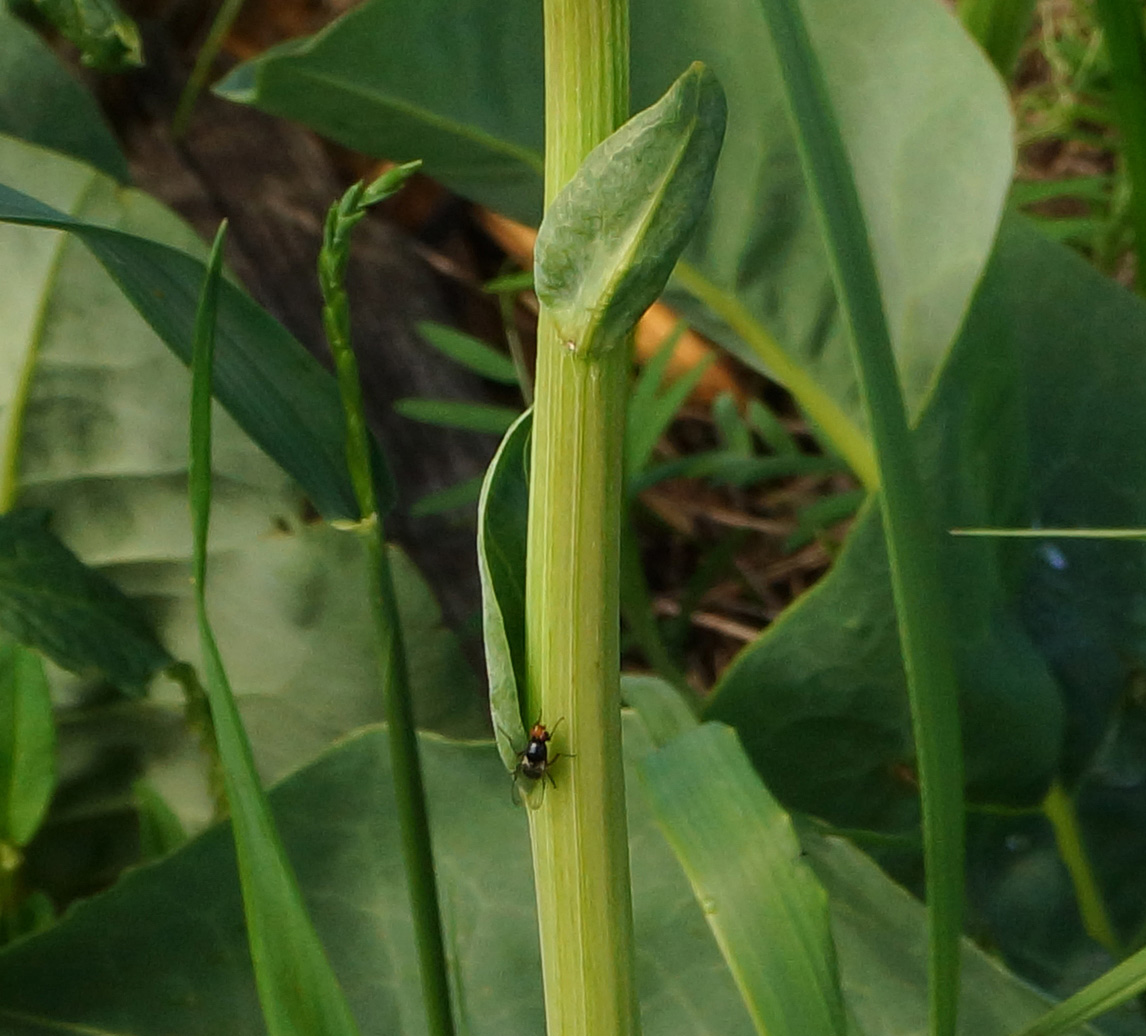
(765, 906)
(912, 542)
(468, 417)
(298, 990)
(469, 352)
(1122, 31)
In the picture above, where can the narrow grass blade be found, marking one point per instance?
(224, 19)
(277, 392)
(1056, 534)
(1118, 985)
(999, 26)
(765, 906)
(912, 542)
(469, 352)
(1125, 39)
(469, 417)
(452, 498)
(770, 429)
(298, 990)
(733, 431)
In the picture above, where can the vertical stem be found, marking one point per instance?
(580, 845)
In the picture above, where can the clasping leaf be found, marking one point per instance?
(613, 235)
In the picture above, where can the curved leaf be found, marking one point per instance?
(502, 513)
(42, 103)
(762, 901)
(27, 743)
(613, 234)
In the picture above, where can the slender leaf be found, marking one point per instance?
(733, 431)
(614, 233)
(298, 990)
(1125, 39)
(912, 542)
(275, 390)
(51, 601)
(769, 427)
(470, 352)
(160, 830)
(502, 513)
(470, 417)
(27, 743)
(452, 498)
(1118, 985)
(649, 414)
(41, 102)
(765, 906)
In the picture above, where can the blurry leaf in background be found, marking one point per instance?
(337, 821)
(106, 38)
(27, 743)
(920, 106)
(51, 601)
(470, 417)
(42, 103)
(470, 352)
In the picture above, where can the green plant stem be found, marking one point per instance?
(1125, 40)
(224, 19)
(999, 26)
(1059, 809)
(409, 793)
(579, 836)
(913, 544)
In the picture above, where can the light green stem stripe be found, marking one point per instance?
(579, 833)
(1060, 811)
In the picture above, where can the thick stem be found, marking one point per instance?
(580, 845)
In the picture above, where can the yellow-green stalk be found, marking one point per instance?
(579, 834)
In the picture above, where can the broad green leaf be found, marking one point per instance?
(41, 103)
(298, 990)
(664, 711)
(27, 743)
(51, 601)
(89, 421)
(613, 234)
(921, 109)
(767, 910)
(165, 969)
(470, 417)
(106, 38)
(502, 512)
(469, 352)
(276, 390)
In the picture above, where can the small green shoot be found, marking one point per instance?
(409, 790)
(298, 990)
